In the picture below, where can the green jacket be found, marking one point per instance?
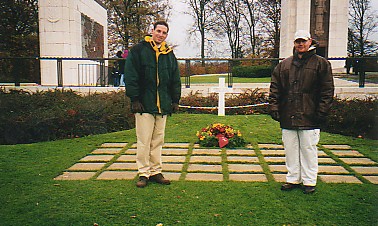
(152, 77)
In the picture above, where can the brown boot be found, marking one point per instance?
(158, 178)
(142, 182)
(308, 189)
(289, 186)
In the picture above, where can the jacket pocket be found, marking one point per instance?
(309, 80)
(309, 105)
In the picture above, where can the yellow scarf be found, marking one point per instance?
(164, 49)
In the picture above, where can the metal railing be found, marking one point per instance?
(360, 66)
(88, 74)
(101, 76)
(100, 79)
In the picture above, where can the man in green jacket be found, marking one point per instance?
(153, 84)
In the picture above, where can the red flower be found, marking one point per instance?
(71, 112)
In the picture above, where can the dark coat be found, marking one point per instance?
(152, 77)
(301, 91)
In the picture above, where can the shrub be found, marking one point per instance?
(32, 117)
(258, 71)
(249, 97)
(196, 68)
(357, 118)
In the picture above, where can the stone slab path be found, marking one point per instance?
(189, 162)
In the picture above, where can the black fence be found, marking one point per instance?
(17, 70)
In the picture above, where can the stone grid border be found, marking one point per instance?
(189, 162)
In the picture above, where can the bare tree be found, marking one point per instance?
(271, 24)
(130, 20)
(252, 16)
(229, 19)
(352, 43)
(362, 23)
(201, 11)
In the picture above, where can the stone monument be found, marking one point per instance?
(72, 28)
(327, 21)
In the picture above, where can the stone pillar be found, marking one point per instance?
(296, 15)
(61, 35)
(338, 35)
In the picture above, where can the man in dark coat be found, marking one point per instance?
(301, 93)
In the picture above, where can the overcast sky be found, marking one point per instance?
(180, 23)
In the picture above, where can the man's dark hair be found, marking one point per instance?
(161, 23)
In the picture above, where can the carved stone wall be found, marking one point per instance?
(92, 38)
(319, 24)
(71, 28)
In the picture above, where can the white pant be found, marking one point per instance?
(301, 155)
(150, 139)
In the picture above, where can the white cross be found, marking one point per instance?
(221, 90)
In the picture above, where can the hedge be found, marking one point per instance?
(258, 71)
(33, 117)
(42, 116)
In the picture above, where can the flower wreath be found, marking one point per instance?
(220, 135)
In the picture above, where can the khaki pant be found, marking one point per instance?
(150, 139)
(301, 155)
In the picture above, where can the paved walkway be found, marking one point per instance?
(188, 162)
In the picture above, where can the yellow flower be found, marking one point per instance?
(229, 130)
(217, 125)
(202, 138)
(239, 134)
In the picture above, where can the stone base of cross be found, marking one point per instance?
(221, 90)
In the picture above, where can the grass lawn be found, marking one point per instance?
(215, 79)
(30, 196)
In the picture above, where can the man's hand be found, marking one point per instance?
(137, 107)
(275, 115)
(175, 108)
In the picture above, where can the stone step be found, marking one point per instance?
(205, 159)
(97, 158)
(107, 151)
(206, 152)
(204, 168)
(114, 145)
(241, 168)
